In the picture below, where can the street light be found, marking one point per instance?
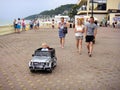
(92, 9)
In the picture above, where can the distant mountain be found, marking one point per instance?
(63, 10)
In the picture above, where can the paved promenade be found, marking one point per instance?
(73, 72)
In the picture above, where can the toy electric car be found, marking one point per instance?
(43, 60)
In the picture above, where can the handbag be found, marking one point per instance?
(65, 31)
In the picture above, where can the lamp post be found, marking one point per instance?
(92, 9)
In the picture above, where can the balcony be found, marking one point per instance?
(83, 8)
(81, 2)
(94, 11)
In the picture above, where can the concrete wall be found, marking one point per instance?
(100, 16)
(112, 4)
(6, 30)
(10, 29)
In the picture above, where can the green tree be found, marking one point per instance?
(73, 11)
(56, 11)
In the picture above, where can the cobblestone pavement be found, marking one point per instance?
(73, 72)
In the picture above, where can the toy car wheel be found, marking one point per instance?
(50, 70)
(55, 64)
(32, 71)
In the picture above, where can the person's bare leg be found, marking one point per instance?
(80, 46)
(91, 48)
(18, 30)
(77, 44)
(88, 47)
(63, 42)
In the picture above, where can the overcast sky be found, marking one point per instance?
(10, 9)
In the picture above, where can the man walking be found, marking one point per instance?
(90, 33)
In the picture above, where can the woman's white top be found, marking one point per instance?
(79, 28)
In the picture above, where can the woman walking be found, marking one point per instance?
(61, 27)
(18, 25)
(79, 30)
(23, 25)
(15, 25)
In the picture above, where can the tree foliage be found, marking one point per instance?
(73, 11)
(59, 10)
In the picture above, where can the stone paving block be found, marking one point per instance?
(73, 72)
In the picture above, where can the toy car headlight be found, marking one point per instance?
(30, 63)
(47, 61)
(47, 64)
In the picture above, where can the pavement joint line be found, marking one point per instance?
(29, 81)
(57, 88)
(78, 81)
(50, 82)
(10, 84)
(38, 80)
(4, 73)
(48, 89)
(58, 81)
(15, 75)
(80, 89)
(21, 85)
(24, 88)
(35, 88)
(1, 88)
(44, 86)
(18, 79)
(1, 85)
(11, 87)
(67, 87)
(71, 82)
(63, 83)
(31, 84)
(25, 76)
(7, 79)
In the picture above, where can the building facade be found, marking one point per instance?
(102, 9)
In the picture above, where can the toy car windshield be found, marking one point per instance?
(42, 53)
(50, 53)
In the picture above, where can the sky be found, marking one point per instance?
(11, 9)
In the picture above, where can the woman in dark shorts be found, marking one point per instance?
(91, 31)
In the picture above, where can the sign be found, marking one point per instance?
(114, 11)
(116, 18)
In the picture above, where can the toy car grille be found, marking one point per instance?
(38, 63)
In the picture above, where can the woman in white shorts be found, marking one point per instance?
(79, 30)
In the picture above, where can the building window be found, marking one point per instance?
(84, 7)
(119, 6)
(101, 6)
(98, 4)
